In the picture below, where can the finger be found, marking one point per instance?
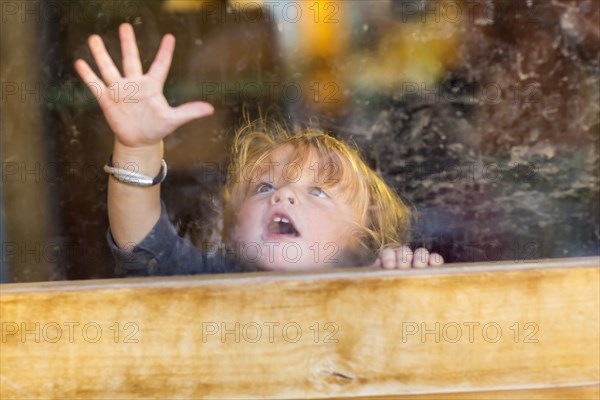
(91, 80)
(190, 111)
(405, 257)
(377, 263)
(107, 67)
(435, 259)
(132, 65)
(388, 258)
(162, 62)
(421, 258)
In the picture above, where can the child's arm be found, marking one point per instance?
(140, 117)
(404, 258)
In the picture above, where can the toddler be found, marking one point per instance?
(292, 201)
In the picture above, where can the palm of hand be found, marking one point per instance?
(137, 111)
(134, 104)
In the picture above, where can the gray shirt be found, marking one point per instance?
(163, 252)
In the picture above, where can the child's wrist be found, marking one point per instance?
(140, 149)
(142, 159)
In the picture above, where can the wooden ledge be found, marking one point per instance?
(325, 274)
(488, 330)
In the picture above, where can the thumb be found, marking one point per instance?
(190, 111)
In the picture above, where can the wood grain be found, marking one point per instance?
(463, 331)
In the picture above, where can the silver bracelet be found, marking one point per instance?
(134, 178)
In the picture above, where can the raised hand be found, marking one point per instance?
(404, 258)
(134, 105)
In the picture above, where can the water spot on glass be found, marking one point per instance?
(483, 21)
(75, 131)
(76, 144)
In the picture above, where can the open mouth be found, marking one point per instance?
(281, 225)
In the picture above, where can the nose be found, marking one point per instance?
(284, 194)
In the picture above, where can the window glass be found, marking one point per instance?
(482, 114)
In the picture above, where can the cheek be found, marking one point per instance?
(351, 231)
(335, 230)
(246, 221)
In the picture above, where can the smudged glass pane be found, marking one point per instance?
(482, 114)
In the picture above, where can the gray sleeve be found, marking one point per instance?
(163, 252)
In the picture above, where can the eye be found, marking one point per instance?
(264, 188)
(318, 192)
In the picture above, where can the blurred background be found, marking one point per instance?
(483, 114)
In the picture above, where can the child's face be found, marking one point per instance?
(294, 224)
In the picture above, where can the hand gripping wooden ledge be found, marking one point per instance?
(465, 331)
